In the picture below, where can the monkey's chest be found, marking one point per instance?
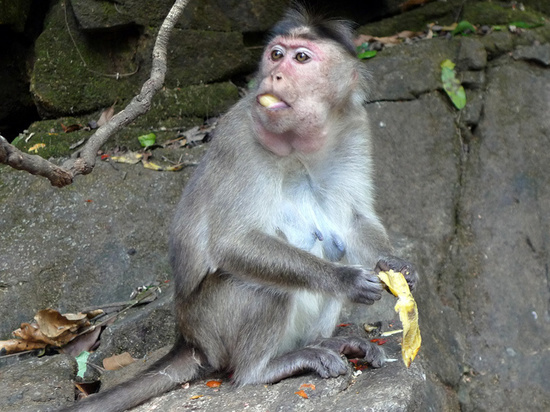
(314, 223)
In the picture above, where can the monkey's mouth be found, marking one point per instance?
(271, 102)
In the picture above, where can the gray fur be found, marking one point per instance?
(266, 249)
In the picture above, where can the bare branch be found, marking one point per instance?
(62, 176)
(33, 164)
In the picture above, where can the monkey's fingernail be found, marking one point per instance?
(268, 100)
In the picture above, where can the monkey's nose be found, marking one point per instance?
(277, 76)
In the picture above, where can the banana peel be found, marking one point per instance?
(408, 313)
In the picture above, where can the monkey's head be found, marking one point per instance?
(308, 75)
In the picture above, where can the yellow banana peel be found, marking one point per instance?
(408, 313)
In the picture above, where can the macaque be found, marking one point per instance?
(277, 229)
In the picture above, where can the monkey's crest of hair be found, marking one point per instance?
(317, 27)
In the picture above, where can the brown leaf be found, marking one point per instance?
(106, 115)
(32, 333)
(53, 324)
(115, 362)
(85, 342)
(18, 345)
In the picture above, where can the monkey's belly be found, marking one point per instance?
(312, 230)
(312, 316)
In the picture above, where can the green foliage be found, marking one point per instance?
(363, 52)
(147, 140)
(81, 361)
(464, 28)
(452, 85)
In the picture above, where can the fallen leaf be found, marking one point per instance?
(18, 345)
(358, 365)
(71, 128)
(307, 385)
(409, 4)
(147, 140)
(37, 146)
(463, 27)
(85, 342)
(196, 396)
(452, 85)
(82, 363)
(115, 362)
(106, 115)
(152, 166)
(408, 313)
(214, 384)
(128, 157)
(53, 324)
(302, 394)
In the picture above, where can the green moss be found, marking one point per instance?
(50, 133)
(200, 101)
(490, 14)
(478, 13)
(63, 83)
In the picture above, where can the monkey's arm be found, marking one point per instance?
(372, 248)
(270, 261)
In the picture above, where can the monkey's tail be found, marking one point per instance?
(183, 363)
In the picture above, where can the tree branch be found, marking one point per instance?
(84, 164)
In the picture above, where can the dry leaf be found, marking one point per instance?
(18, 345)
(53, 324)
(37, 146)
(31, 333)
(71, 128)
(85, 342)
(214, 384)
(307, 385)
(302, 394)
(115, 362)
(196, 396)
(106, 115)
(128, 157)
(408, 313)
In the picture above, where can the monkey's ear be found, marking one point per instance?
(359, 83)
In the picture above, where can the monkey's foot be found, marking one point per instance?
(356, 348)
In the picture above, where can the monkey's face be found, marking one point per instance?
(299, 86)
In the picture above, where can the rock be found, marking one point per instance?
(471, 55)
(464, 194)
(38, 384)
(539, 53)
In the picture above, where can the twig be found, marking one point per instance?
(63, 176)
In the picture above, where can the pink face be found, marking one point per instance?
(298, 77)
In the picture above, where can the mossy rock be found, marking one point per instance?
(50, 133)
(478, 13)
(66, 80)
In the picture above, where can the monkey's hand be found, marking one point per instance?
(361, 285)
(398, 265)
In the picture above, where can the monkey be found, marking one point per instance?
(276, 230)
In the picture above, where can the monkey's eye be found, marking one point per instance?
(276, 54)
(301, 57)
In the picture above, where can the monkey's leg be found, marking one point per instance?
(325, 361)
(181, 364)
